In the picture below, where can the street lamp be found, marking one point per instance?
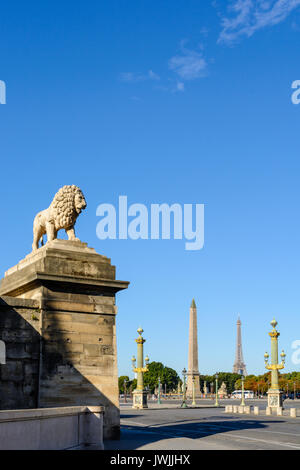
(211, 389)
(178, 390)
(158, 397)
(139, 394)
(193, 391)
(183, 404)
(274, 394)
(243, 391)
(125, 398)
(204, 389)
(217, 400)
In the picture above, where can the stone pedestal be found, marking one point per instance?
(189, 385)
(75, 290)
(275, 399)
(139, 399)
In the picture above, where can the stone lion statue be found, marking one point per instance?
(62, 213)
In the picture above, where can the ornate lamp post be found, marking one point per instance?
(211, 389)
(243, 391)
(125, 397)
(183, 404)
(158, 397)
(274, 394)
(193, 391)
(217, 398)
(178, 390)
(139, 394)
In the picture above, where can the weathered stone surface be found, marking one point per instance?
(19, 376)
(268, 410)
(52, 429)
(279, 411)
(60, 331)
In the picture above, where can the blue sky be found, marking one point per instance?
(165, 102)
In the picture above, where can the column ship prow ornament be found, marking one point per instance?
(274, 393)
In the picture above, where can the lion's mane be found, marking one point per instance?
(62, 208)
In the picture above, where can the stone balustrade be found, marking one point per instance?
(239, 409)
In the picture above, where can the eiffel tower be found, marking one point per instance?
(239, 367)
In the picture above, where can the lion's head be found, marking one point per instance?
(67, 204)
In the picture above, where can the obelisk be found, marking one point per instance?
(193, 370)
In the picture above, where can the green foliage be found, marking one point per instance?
(133, 385)
(257, 383)
(261, 383)
(121, 383)
(167, 376)
(130, 384)
(228, 377)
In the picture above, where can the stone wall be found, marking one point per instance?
(79, 360)
(56, 358)
(58, 320)
(19, 329)
(74, 427)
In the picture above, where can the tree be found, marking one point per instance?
(229, 378)
(257, 383)
(121, 383)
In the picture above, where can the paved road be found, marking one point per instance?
(204, 428)
(261, 403)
